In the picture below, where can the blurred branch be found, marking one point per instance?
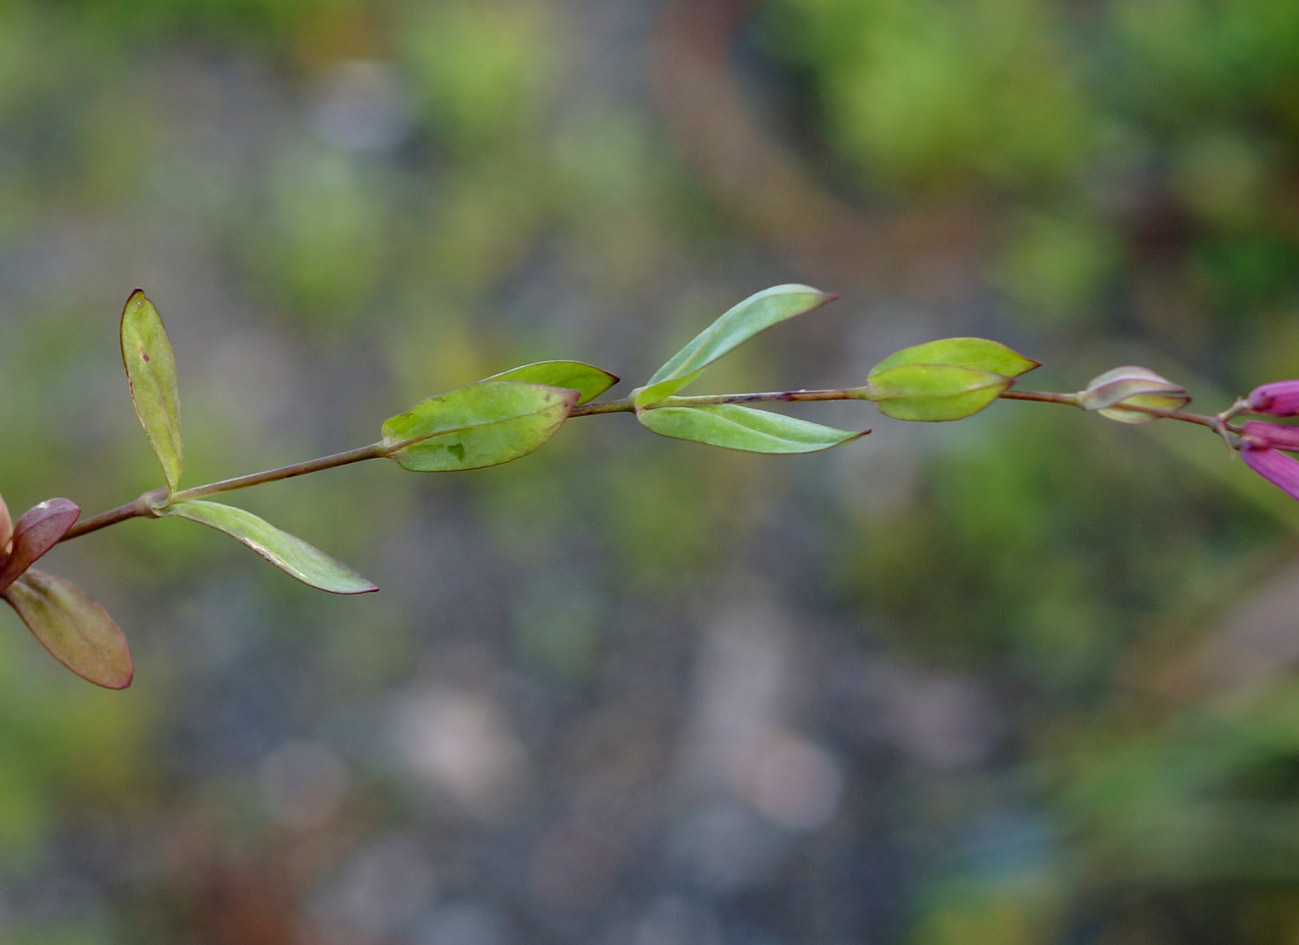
(766, 186)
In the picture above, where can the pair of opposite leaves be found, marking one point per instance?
(487, 423)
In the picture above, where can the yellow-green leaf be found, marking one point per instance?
(287, 552)
(588, 380)
(933, 392)
(151, 371)
(73, 627)
(483, 424)
(979, 354)
(743, 428)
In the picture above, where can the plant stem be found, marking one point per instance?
(147, 502)
(1213, 423)
(781, 396)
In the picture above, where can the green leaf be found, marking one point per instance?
(483, 424)
(743, 428)
(76, 630)
(287, 552)
(979, 354)
(933, 392)
(151, 372)
(754, 314)
(588, 380)
(38, 530)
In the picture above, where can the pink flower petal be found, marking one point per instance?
(1275, 467)
(1274, 435)
(1280, 399)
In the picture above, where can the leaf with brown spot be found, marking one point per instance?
(151, 371)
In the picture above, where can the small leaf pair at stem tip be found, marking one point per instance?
(943, 380)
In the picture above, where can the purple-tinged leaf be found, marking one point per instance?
(73, 627)
(39, 530)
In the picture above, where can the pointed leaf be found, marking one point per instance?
(980, 354)
(287, 552)
(38, 530)
(743, 428)
(588, 380)
(933, 392)
(736, 326)
(483, 424)
(151, 371)
(73, 627)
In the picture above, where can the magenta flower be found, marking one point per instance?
(1260, 448)
(1280, 399)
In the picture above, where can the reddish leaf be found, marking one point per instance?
(39, 530)
(73, 627)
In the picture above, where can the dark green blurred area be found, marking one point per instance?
(1025, 678)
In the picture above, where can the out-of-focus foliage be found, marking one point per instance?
(1025, 678)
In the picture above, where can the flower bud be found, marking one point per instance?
(1109, 393)
(1274, 435)
(1280, 399)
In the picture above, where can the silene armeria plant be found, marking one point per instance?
(508, 415)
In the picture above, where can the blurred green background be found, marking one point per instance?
(1027, 678)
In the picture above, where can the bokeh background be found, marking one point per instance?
(1026, 678)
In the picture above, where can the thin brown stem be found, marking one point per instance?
(146, 503)
(781, 396)
(373, 451)
(1213, 423)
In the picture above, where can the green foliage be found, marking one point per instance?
(743, 428)
(482, 424)
(933, 392)
(151, 372)
(287, 552)
(589, 381)
(924, 93)
(978, 354)
(740, 323)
